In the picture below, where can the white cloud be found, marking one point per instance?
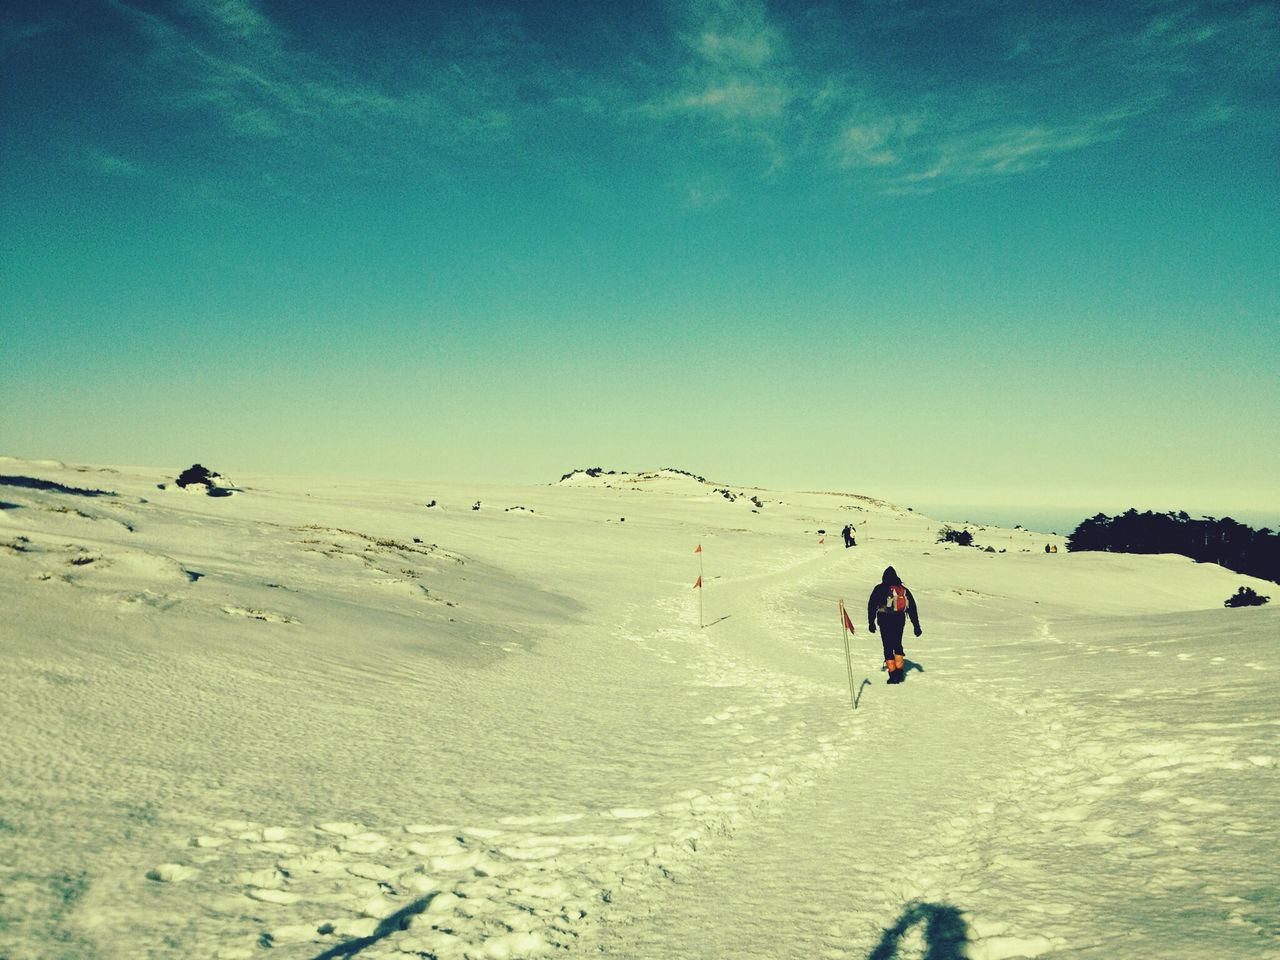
(736, 99)
(993, 151)
(735, 65)
(735, 78)
(749, 50)
(706, 193)
(1017, 149)
(101, 162)
(734, 35)
(14, 35)
(876, 143)
(238, 17)
(229, 57)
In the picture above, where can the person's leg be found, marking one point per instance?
(886, 631)
(891, 638)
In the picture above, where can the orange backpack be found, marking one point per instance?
(897, 598)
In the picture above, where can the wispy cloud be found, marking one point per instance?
(1022, 148)
(734, 66)
(1072, 83)
(16, 35)
(930, 149)
(734, 99)
(437, 103)
(99, 161)
(239, 18)
(876, 143)
(993, 152)
(230, 59)
(706, 193)
(734, 35)
(757, 87)
(745, 86)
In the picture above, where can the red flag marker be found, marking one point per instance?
(847, 628)
(702, 618)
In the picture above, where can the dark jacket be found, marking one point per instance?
(881, 593)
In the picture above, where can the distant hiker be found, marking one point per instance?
(889, 606)
(848, 533)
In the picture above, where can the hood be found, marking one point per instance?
(890, 576)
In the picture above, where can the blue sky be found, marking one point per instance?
(967, 252)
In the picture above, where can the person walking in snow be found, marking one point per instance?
(889, 606)
(848, 533)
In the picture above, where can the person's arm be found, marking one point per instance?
(872, 603)
(913, 613)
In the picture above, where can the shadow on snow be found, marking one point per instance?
(858, 699)
(35, 483)
(945, 933)
(393, 924)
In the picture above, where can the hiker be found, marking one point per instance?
(848, 533)
(889, 606)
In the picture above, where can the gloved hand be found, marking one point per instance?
(918, 631)
(871, 627)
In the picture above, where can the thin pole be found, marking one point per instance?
(702, 619)
(848, 659)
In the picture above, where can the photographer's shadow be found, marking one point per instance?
(945, 933)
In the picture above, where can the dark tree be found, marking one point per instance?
(195, 474)
(950, 535)
(1226, 542)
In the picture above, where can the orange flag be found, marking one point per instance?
(822, 539)
(848, 624)
(698, 548)
(698, 583)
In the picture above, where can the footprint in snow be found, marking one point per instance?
(172, 873)
(533, 821)
(251, 614)
(626, 813)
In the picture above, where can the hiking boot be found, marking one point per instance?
(895, 676)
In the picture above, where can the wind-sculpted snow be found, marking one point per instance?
(520, 884)
(319, 719)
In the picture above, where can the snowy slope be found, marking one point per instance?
(320, 718)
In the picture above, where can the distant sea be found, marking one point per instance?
(1064, 520)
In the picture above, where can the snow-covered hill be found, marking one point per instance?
(320, 718)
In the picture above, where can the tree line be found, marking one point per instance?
(1226, 542)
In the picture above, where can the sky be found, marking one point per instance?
(970, 252)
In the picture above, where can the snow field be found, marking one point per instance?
(523, 885)
(319, 720)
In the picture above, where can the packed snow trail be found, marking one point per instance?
(906, 817)
(985, 809)
(901, 821)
